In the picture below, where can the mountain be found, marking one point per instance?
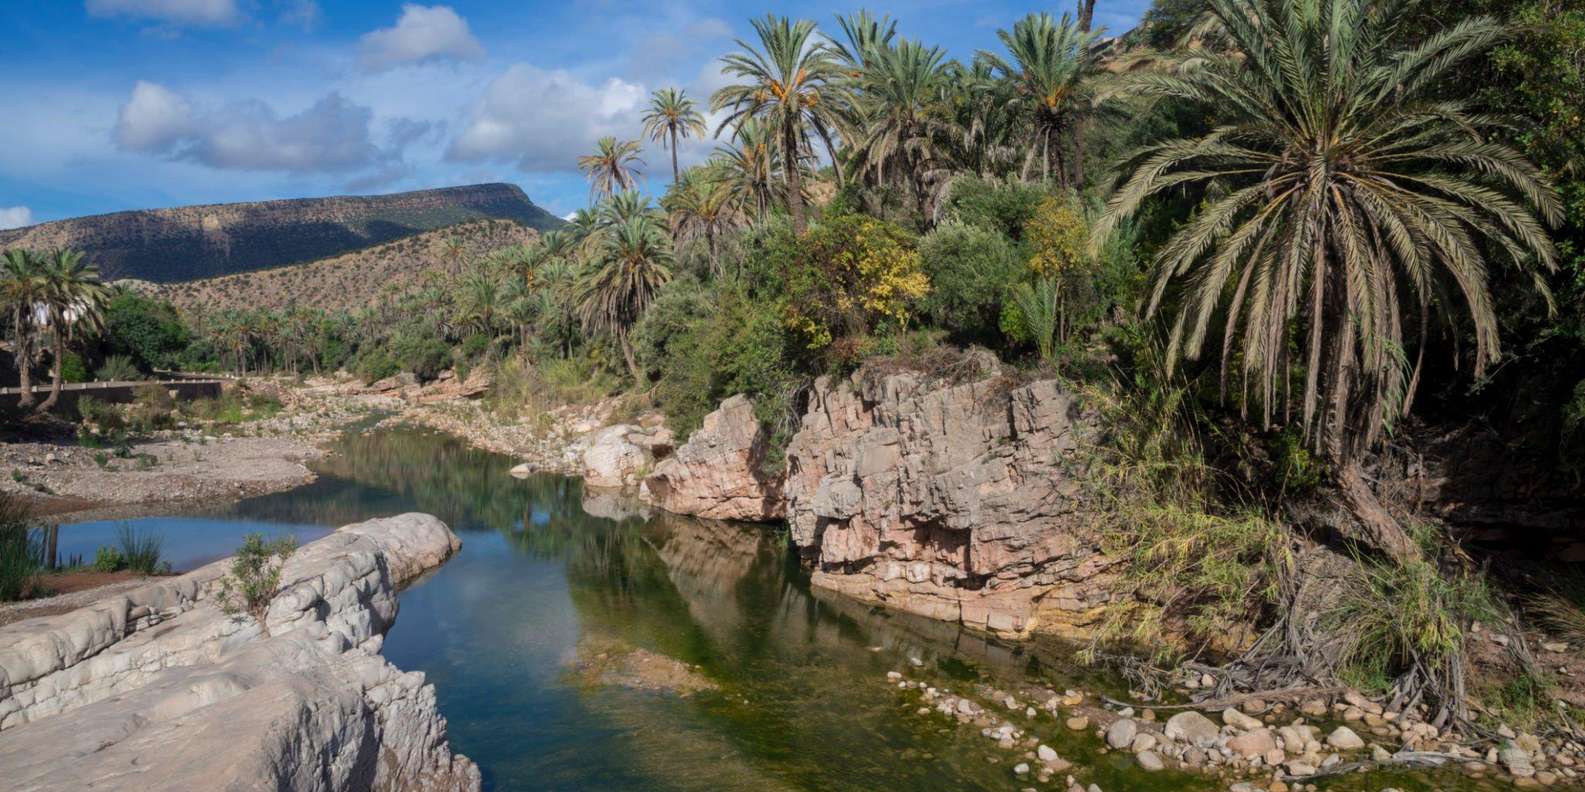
(350, 280)
(192, 242)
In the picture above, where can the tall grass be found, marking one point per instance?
(140, 550)
(21, 549)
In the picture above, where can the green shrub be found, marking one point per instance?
(1004, 209)
(100, 413)
(375, 364)
(420, 353)
(474, 346)
(74, 368)
(21, 549)
(152, 408)
(255, 577)
(848, 276)
(143, 330)
(118, 368)
(108, 559)
(970, 270)
(140, 550)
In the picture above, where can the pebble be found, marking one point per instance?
(1078, 723)
(1022, 768)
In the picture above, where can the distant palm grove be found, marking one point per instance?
(1292, 229)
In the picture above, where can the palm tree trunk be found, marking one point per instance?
(23, 354)
(795, 197)
(676, 175)
(627, 354)
(1372, 525)
(1086, 14)
(56, 373)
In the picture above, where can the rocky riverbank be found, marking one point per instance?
(157, 688)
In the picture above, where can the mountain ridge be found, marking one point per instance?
(176, 244)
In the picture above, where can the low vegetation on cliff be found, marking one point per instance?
(1280, 245)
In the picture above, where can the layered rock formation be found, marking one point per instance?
(158, 689)
(718, 472)
(954, 501)
(184, 243)
(621, 455)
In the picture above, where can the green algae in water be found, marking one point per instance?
(801, 700)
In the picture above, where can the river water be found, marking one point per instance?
(550, 581)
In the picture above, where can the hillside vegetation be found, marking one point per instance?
(351, 280)
(191, 242)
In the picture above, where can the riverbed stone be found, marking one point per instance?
(1253, 743)
(1192, 727)
(1344, 739)
(1150, 761)
(1121, 733)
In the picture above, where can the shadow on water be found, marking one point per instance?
(548, 571)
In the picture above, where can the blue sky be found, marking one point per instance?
(129, 104)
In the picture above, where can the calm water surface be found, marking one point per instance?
(547, 575)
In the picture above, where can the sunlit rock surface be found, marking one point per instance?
(158, 689)
(954, 501)
(718, 473)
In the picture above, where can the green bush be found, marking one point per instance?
(100, 413)
(74, 368)
(375, 364)
(118, 368)
(108, 559)
(1004, 209)
(971, 269)
(146, 331)
(152, 408)
(420, 353)
(255, 577)
(474, 346)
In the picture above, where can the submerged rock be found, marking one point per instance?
(158, 689)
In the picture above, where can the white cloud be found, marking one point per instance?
(186, 12)
(15, 217)
(423, 33)
(154, 119)
(545, 119)
(331, 136)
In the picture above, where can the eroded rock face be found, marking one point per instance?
(717, 473)
(158, 689)
(958, 502)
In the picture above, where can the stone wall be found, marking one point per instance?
(158, 689)
(954, 501)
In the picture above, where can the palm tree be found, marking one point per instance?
(479, 301)
(1342, 202)
(1053, 65)
(748, 168)
(22, 290)
(701, 207)
(981, 124)
(672, 116)
(793, 83)
(634, 263)
(900, 90)
(612, 167)
(74, 299)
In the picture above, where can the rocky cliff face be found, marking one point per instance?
(717, 473)
(158, 689)
(190, 242)
(958, 502)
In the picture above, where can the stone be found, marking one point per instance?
(1555, 647)
(1344, 739)
(1253, 743)
(1192, 727)
(617, 456)
(1046, 754)
(1121, 733)
(1239, 720)
(523, 470)
(959, 502)
(1300, 769)
(210, 701)
(719, 472)
(1314, 708)
(1022, 768)
(1517, 761)
(1149, 761)
(1078, 723)
(1143, 741)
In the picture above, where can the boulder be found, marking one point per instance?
(621, 455)
(1239, 720)
(159, 689)
(1344, 739)
(957, 501)
(1149, 761)
(718, 473)
(1193, 728)
(1253, 743)
(1121, 733)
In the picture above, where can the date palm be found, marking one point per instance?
(795, 83)
(671, 117)
(74, 302)
(700, 207)
(1053, 67)
(612, 168)
(22, 290)
(634, 262)
(1344, 205)
(748, 166)
(900, 87)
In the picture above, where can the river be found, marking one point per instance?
(551, 583)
